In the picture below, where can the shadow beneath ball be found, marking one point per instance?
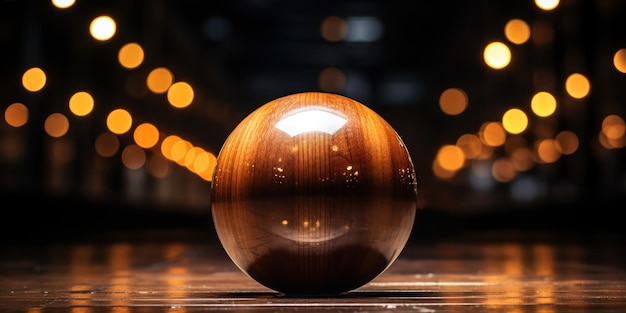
(354, 295)
(381, 294)
(318, 273)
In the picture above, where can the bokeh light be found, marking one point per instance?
(81, 103)
(567, 142)
(577, 85)
(470, 145)
(167, 144)
(63, 4)
(353, 52)
(119, 121)
(332, 79)
(450, 157)
(107, 144)
(548, 150)
(619, 60)
(497, 55)
(543, 104)
(613, 126)
(333, 29)
(56, 125)
(133, 157)
(441, 172)
(158, 166)
(547, 5)
(517, 31)
(542, 33)
(159, 80)
(62, 151)
(503, 170)
(102, 28)
(131, 55)
(180, 95)
(189, 159)
(522, 159)
(492, 134)
(146, 135)
(514, 121)
(34, 79)
(179, 151)
(16, 114)
(453, 101)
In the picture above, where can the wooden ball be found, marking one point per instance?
(313, 194)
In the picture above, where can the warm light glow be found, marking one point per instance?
(119, 121)
(310, 121)
(543, 104)
(63, 4)
(195, 159)
(180, 95)
(208, 173)
(613, 143)
(179, 151)
(81, 103)
(450, 157)
(514, 121)
(440, 172)
(547, 151)
(470, 144)
(34, 79)
(56, 125)
(158, 166)
(130, 55)
(503, 170)
(517, 31)
(62, 151)
(102, 28)
(204, 163)
(522, 159)
(567, 142)
(604, 142)
(542, 33)
(577, 86)
(190, 158)
(159, 80)
(133, 157)
(201, 161)
(16, 114)
(619, 60)
(146, 135)
(167, 144)
(514, 142)
(333, 28)
(497, 55)
(613, 126)
(107, 144)
(332, 79)
(492, 134)
(547, 5)
(486, 151)
(453, 101)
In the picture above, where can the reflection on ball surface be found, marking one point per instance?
(313, 194)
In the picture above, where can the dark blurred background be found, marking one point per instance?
(199, 67)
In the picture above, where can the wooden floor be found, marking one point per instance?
(478, 272)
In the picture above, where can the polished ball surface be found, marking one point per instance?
(313, 194)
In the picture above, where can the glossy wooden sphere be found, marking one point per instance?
(313, 194)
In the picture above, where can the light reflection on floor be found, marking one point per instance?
(189, 277)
